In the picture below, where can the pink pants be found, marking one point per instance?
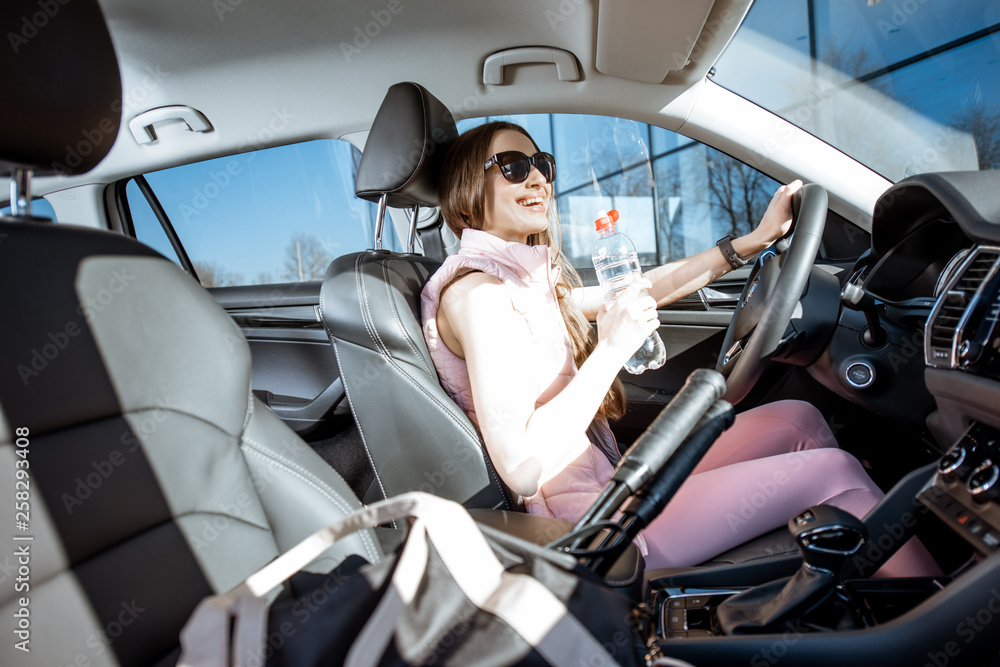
(775, 461)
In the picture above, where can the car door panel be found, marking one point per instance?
(294, 367)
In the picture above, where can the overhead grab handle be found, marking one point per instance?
(565, 62)
(142, 125)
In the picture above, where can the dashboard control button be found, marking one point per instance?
(982, 483)
(969, 352)
(860, 374)
(954, 463)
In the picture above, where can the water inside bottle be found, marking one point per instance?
(616, 273)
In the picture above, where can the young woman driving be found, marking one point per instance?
(507, 325)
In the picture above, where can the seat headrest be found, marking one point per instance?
(63, 100)
(406, 148)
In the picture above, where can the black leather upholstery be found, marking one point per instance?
(415, 436)
(406, 148)
(62, 84)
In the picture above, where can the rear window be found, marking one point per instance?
(275, 215)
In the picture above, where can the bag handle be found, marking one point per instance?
(522, 602)
(205, 637)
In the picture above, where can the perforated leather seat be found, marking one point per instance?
(156, 477)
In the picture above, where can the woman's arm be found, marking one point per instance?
(529, 446)
(685, 276)
(678, 279)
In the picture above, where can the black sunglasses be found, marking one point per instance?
(515, 165)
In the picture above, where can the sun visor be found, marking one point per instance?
(644, 40)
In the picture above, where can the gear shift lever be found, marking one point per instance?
(827, 537)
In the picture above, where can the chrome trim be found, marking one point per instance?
(380, 220)
(733, 351)
(20, 193)
(952, 352)
(837, 552)
(947, 470)
(973, 302)
(871, 377)
(411, 237)
(986, 486)
(750, 291)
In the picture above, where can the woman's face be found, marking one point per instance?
(513, 211)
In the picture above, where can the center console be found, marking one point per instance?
(965, 491)
(688, 613)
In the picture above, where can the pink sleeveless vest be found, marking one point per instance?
(530, 278)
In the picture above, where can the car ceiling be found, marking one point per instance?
(271, 73)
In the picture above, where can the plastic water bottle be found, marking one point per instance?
(617, 266)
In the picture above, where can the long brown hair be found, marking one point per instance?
(462, 195)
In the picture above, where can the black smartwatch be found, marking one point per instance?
(726, 246)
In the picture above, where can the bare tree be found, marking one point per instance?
(738, 193)
(984, 126)
(211, 274)
(305, 258)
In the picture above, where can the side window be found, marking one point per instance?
(676, 196)
(147, 228)
(40, 207)
(274, 215)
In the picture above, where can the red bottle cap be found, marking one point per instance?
(606, 220)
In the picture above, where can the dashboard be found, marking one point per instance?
(937, 239)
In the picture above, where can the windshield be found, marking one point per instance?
(904, 86)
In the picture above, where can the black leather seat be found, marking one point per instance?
(156, 478)
(414, 435)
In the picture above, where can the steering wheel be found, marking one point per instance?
(779, 276)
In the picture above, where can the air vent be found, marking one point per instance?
(960, 292)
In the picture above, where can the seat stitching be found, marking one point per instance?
(361, 432)
(381, 349)
(627, 580)
(369, 322)
(269, 456)
(249, 413)
(228, 516)
(398, 321)
(447, 414)
(359, 287)
(195, 417)
(315, 482)
(256, 446)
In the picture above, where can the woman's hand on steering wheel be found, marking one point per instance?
(777, 220)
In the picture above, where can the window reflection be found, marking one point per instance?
(905, 87)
